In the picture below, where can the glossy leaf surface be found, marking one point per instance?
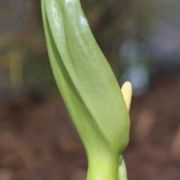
(85, 79)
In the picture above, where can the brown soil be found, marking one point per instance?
(38, 142)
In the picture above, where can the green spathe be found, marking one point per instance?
(88, 86)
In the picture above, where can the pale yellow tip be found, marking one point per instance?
(127, 91)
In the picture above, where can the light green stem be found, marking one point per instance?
(106, 168)
(122, 172)
(103, 168)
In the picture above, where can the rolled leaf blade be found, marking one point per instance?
(84, 77)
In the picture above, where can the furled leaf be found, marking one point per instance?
(85, 79)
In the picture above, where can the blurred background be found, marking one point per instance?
(141, 40)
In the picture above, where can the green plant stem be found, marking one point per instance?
(103, 168)
(122, 172)
(106, 168)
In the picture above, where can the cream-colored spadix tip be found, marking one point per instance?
(127, 93)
